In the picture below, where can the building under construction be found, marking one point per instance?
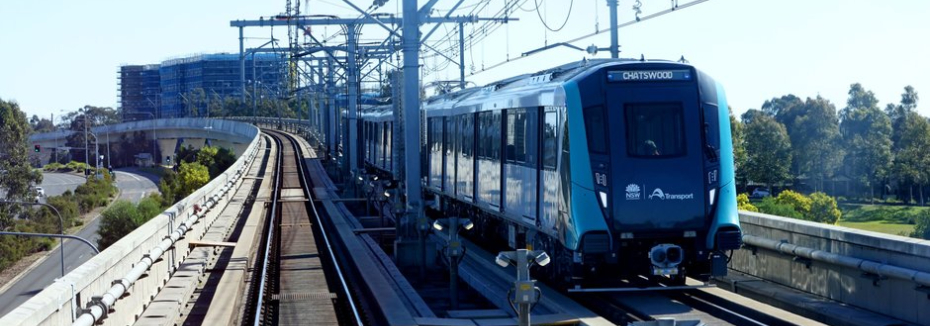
(184, 87)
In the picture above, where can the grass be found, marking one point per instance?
(890, 214)
(880, 226)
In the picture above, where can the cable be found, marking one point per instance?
(538, 14)
(690, 4)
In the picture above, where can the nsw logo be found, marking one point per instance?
(633, 192)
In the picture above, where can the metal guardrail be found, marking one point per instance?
(864, 265)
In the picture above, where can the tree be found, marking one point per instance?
(898, 113)
(866, 133)
(92, 116)
(207, 157)
(40, 125)
(912, 162)
(813, 128)
(192, 176)
(750, 115)
(781, 107)
(16, 175)
(768, 151)
(739, 148)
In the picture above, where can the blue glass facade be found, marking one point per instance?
(140, 91)
(174, 85)
(217, 75)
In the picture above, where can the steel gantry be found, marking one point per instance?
(412, 225)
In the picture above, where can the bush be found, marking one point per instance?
(76, 166)
(51, 167)
(124, 217)
(67, 207)
(922, 230)
(799, 202)
(823, 209)
(770, 205)
(743, 204)
(116, 222)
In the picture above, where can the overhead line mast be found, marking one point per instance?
(414, 221)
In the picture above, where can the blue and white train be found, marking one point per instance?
(613, 167)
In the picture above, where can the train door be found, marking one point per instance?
(520, 162)
(448, 172)
(549, 181)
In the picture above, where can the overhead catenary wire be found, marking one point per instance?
(628, 23)
(567, 16)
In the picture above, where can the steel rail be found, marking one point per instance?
(271, 227)
(301, 165)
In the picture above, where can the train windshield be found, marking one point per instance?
(654, 130)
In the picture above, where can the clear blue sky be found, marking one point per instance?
(60, 55)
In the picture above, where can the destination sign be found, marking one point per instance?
(648, 75)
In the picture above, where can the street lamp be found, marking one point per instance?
(61, 226)
(526, 294)
(86, 148)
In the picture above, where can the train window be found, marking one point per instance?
(550, 135)
(494, 132)
(468, 135)
(711, 132)
(489, 135)
(484, 124)
(654, 130)
(594, 123)
(516, 132)
(522, 136)
(446, 135)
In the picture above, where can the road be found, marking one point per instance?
(133, 186)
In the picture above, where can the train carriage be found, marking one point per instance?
(614, 167)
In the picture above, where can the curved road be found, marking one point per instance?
(133, 185)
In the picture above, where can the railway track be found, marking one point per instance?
(290, 286)
(298, 281)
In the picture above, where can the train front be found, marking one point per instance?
(661, 160)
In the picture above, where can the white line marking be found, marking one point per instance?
(130, 174)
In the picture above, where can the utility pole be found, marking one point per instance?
(86, 148)
(614, 47)
(413, 219)
(352, 78)
(461, 55)
(242, 63)
(330, 111)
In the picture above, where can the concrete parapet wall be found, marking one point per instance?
(196, 128)
(892, 296)
(57, 302)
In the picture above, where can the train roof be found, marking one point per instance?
(515, 89)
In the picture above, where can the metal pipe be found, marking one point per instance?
(868, 266)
